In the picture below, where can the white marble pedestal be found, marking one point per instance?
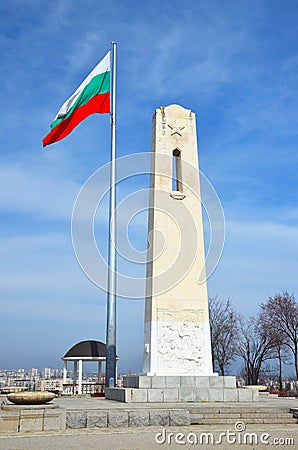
(178, 389)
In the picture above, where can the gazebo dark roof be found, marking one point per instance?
(85, 349)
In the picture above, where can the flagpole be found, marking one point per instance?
(111, 294)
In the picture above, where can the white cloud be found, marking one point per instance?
(32, 191)
(259, 259)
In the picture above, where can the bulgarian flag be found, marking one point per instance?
(92, 96)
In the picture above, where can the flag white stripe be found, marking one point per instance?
(103, 66)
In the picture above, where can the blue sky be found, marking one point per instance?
(234, 63)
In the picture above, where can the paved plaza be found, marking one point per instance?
(257, 436)
(88, 403)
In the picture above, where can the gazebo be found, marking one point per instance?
(84, 351)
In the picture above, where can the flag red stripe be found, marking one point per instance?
(98, 104)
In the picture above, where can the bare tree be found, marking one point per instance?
(280, 349)
(280, 316)
(224, 333)
(255, 347)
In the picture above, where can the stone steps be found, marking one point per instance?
(235, 410)
(212, 416)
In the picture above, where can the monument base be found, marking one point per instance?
(175, 389)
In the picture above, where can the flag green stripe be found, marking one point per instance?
(100, 84)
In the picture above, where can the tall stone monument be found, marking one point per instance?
(177, 348)
(177, 333)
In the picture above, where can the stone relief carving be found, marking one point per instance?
(179, 346)
(180, 315)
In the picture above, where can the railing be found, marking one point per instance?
(94, 389)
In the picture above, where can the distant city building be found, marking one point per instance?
(33, 372)
(49, 385)
(46, 373)
(48, 379)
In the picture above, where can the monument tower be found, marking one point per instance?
(177, 348)
(177, 333)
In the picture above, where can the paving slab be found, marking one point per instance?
(88, 403)
(148, 438)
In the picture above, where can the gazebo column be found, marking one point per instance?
(80, 376)
(75, 372)
(65, 372)
(99, 376)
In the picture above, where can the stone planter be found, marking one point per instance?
(30, 398)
